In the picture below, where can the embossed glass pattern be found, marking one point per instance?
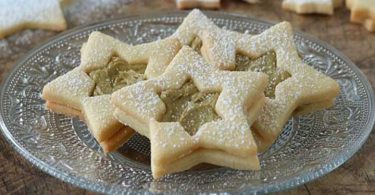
(309, 146)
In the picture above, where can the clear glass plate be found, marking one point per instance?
(309, 146)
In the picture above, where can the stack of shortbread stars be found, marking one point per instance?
(202, 95)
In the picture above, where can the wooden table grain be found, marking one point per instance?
(356, 176)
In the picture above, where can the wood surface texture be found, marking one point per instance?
(356, 176)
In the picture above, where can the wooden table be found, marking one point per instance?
(357, 175)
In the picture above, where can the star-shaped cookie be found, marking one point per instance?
(312, 90)
(311, 6)
(226, 140)
(16, 15)
(106, 65)
(303, 89)
(362, 12)
(207, 4)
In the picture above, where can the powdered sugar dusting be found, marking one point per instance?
(69, 88)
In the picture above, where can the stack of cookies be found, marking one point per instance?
(202, 95)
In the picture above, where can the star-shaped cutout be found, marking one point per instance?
(80, 93)
(16, 15)
(311, 6)
(207, 4)
(362, 12)
(226, 142)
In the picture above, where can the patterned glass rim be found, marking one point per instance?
(270, 187)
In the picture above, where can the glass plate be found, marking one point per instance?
(309, 146)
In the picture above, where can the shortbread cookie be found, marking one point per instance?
(311, 6)
(106, 65)
(252, 1)
(205, 4)
(16, 15)
(362, 12)
(272, 52)
(297, 85)
(194, 113)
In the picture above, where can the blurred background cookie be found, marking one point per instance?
(311, 6)
(362, 12)
(16, 15)
(205, 4)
